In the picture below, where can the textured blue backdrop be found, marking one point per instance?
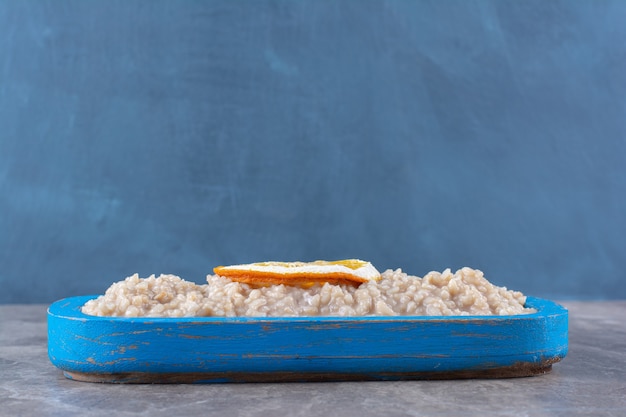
(164, 136)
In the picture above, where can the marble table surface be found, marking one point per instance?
(591, 380)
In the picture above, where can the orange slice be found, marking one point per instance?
(347, 271)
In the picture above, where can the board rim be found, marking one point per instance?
(87, 348)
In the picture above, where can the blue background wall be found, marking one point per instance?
(164, 136)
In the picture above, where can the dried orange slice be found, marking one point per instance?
(347, 271)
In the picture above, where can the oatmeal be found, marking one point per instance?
(465, 292)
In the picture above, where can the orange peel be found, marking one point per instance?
(343, 272)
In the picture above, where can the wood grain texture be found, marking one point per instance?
(217, 349)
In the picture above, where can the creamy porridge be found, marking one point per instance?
(465, 292)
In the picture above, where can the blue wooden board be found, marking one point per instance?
(218, 349)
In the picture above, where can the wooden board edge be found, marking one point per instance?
(518, 370)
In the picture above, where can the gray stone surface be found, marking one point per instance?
(590, 381)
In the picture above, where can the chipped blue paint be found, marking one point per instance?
(374, 347)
